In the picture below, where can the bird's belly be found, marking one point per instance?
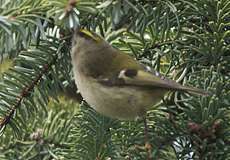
(117, 102)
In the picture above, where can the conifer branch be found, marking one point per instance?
(25, 93)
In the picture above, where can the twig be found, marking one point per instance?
(25, 92)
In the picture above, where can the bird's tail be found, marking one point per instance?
(196, 91)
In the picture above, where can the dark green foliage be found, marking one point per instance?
(45, 139)
(185, 40)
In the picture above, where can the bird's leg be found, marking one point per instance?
(148, 146)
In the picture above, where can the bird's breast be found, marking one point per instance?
(124, 102)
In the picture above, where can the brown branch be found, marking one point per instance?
(69, 7)
(25, 92)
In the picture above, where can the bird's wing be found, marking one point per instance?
(140, 77)
(125, 71)
(135, 77)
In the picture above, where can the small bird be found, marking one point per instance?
(115, 84)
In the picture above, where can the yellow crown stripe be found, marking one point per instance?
(91, 35)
